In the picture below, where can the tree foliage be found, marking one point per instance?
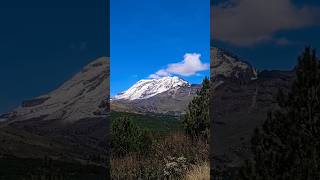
(288, 144)
(127, 137)
(196, 120)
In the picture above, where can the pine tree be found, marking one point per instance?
(196, 120)
(127, 137)
(288, 144)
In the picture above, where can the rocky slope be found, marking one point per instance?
(83, 96)
(238, 107)
(69, 123)
(167, 95)
(225, 65)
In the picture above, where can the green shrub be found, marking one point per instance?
(128, 137)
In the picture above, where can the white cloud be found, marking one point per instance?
(283, 42)
(190, 66)
(159, 74)
(248, 22)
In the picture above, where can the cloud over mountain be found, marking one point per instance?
(248, 22)
(189, 66)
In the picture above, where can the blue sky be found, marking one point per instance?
(147, 35)
(269, 35)
(43, 43)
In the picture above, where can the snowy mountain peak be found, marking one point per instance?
(147, 88)
(227, 65)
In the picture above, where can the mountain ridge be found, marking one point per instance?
(70, 123)
(241, 99)
(85, 95)
(174, 100)
(237, 107)
(226, 65)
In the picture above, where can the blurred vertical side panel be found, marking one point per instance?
(211, 105)
(55, 70)
(263, 72)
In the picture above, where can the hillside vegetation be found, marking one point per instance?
(153, 146)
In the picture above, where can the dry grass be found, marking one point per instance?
(199, 172)
(178, 144)
(135, 167)
(151, 166)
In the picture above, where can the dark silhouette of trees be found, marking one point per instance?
(288, 144)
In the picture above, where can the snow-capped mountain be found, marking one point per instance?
(167, 95)
(85, 95)
(171, 95)
(147, 88)
(227, 65)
